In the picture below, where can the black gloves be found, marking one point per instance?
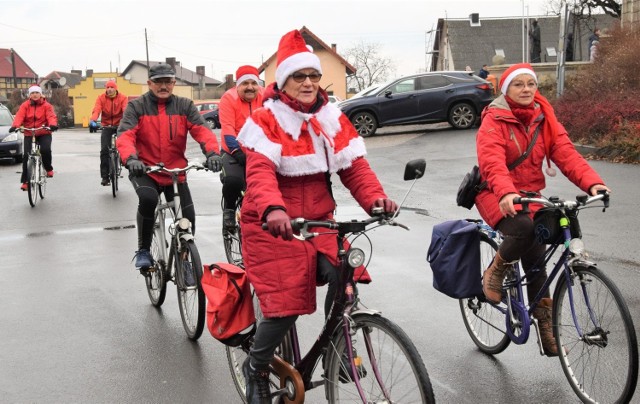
(240, 157)
(12, 129)
(214, 162)
(53, 128)
(135, 166)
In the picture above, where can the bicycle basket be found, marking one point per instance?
(546, 225)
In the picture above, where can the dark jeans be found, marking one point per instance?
(520, 244)
(105, 144)
(45, 150)
(148, 191)
(271, 331)
(233, 180)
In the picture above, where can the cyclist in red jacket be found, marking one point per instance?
(110, 106)
(34, 113)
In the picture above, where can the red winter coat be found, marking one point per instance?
(287, 169)
(111, 109)
(34, 114)
(501, 139)
(156, 131)
(233, 114)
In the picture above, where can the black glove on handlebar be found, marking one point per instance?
(240, 157)
(135, 166)
(53, 128)
(214, 162)
(12, 129)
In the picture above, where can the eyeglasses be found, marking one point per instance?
(167, 81)
(301, 77)
(518, 85)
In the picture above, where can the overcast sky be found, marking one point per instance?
(221, 35)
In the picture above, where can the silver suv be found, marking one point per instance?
(10, 143)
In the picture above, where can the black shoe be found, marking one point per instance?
(229, 218)
(258, 391)
(105, 182)
(346, 374)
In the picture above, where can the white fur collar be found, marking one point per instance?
(291, 120)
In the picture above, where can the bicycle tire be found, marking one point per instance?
(485, 323)
(42, 182)
(232, 239)
(604, 370)
(113, 172)
(33, 181)
(383, 344)
(156, 280)
(192, 302)
(237, 355)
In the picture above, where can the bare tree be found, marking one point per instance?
(371, 68)
(587, 7)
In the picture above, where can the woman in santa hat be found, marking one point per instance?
(293, 145)
(509, 124)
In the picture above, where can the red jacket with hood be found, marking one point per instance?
(288, 155)
(33, 114)
(111, 109)
(156, 131)
(501, 139)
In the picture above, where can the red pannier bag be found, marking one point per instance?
(230, 315)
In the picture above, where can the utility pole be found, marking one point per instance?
(146, 45)
(13, 68)
(560, 70)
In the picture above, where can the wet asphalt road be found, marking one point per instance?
(76, 324)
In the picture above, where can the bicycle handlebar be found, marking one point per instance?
(581, 200)
(22, 129)
(160, 167)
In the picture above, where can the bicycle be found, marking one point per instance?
(231, 237)
(592, 326)
(176, 260)
(390, 368)
(115, 165)
(35, 170)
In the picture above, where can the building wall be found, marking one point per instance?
(333, 74)
(630, 13)
(84, 94)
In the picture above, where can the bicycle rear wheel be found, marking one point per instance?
(390, 368)
(191, 299)
(156, 280)
(237, 355)
(602, 364)
(485, 323)
(32, 174)
(42, 180)
(232, 240)
(114, 168)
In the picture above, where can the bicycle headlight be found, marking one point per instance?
(184, 224)
(355, 257)
(576, 246)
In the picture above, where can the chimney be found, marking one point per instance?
(228, 81)
(474, 19)
(89, 72)
(171, 62)
(78, 72)
(334, 47)
(200, 70)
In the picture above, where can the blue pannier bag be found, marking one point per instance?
(454, 256)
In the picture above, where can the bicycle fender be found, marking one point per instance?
(370, 312)
(187, 237)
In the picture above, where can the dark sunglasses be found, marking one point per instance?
(301, 77)
(164, 81)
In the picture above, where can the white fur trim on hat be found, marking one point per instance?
(295, 62)
(246, 77)
(513, 74)
(35, 89)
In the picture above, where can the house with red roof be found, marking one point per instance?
(15, 73)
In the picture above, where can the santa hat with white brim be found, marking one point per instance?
(293, 55)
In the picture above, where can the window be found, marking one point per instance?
(100, 82)
(403, 86)
(432, 81)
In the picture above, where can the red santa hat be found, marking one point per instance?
(512, 72)
(111, 84)
(294, 54)
(245, 73)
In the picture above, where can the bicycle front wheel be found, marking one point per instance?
(32, 174)
(191, 299)
(389, 367)
(156, 279)
(114, 168)
(599, 351)
(42, 181)
(231, 238)
(485, 323)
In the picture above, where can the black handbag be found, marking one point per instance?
(471, 183)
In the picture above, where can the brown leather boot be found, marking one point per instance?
(543, 314)
(493, 277)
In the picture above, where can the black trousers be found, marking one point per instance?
(271, 331)
(233, 180)
(519, 243)
(148, 191)
(105, 144)
(45, 150)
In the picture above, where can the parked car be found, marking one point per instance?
(10, 143)
(206, 106)
(334, 98)
(446, 96)
(212, 118)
